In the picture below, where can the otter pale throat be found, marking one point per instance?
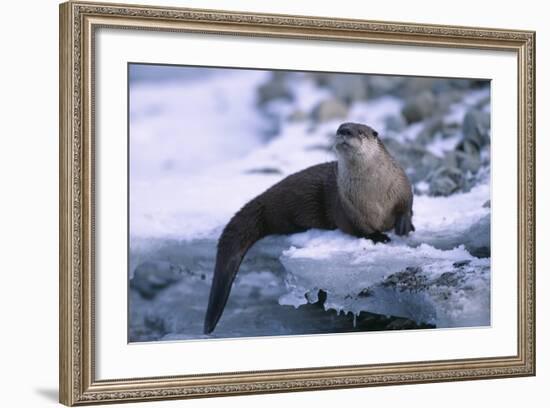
(365, 193)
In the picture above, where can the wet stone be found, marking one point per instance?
(329, 110)
(419, 107)
(150, 277)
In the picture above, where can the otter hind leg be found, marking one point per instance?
(403, 224)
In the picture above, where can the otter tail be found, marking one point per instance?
(244, 229)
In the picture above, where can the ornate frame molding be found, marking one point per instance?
(78, 20)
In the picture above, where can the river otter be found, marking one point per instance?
(364, 193)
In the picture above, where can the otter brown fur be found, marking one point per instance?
(365, 193)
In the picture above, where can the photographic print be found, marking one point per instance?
(317, 184)
(268, 203)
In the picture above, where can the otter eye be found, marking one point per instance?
(375, 133)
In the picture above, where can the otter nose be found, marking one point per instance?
(347, 130)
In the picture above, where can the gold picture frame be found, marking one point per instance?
(78, 22)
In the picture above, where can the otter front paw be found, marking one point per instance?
(378, 237)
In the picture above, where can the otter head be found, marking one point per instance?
(356, 142)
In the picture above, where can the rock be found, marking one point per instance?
(414, 158)
(364, 293)
(426, 165)
(484, 104)
(348, 87)
(476, 127)
(432, 126)
(447, 98)
(440, 86)
(480, 83)
(467, 155)
(264, 170)
(380, 85)
(469, 147)
(406, 324)
(460, 83)
(443, 187)
(275, 88)
(487, 204)
(448, 89)
(479, 238)
(145, 324)
(271, 124)
(450, 129)
(444, 86)
(330, 109)
(320, 78)
(446, 181)
(395, 123)
(409, 279)
(419, 107)
(155, 324)
(447, 279)
(297, 116)
(345, 87)
(413, 86)
(320, 147)
(152, 276)
(470, 161)
(395, 147)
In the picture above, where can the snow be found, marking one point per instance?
(169, 129)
